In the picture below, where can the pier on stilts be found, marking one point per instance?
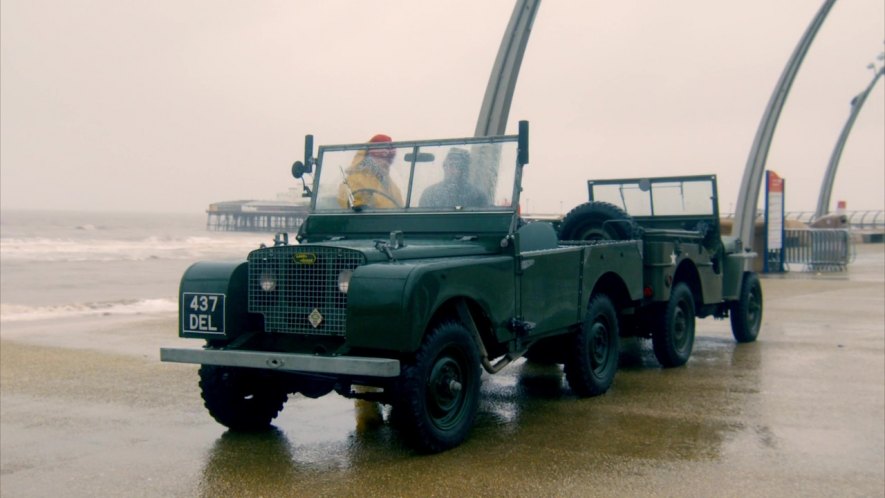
(255, 216)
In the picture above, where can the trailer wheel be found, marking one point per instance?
(746, 313)
(596, 221)
(242, 399)
(593, 356)
(673, 336)
(440, 390)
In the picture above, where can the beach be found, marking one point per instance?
(87, 408)
(86, 301)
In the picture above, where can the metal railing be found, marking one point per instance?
(870, 219)
(819, 249)
(857, 220)
(867, 219)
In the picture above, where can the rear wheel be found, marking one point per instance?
(673, 336)
(242, 399)
(596, 221)
(746, 312)
(593, 356)
(440, 389)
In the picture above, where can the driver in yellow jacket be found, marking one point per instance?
(368, 179)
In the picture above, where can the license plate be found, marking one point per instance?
(202, 313)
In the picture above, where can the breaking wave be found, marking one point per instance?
(105, 250)
(16, 312)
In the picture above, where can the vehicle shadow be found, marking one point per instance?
(685, 413)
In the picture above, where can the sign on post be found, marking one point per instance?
(774, 223)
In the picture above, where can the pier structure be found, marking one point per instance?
(256, 216)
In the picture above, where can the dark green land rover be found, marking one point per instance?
(415, 271)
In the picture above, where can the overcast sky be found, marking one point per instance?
(169, 105)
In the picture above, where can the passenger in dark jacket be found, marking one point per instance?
(455, 190)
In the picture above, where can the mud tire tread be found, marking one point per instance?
(745, 327)
(584, 376)
(597, 220)
(665, 340)
(447, 343)
(244, 400)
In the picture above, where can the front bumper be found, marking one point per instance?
(289, 362)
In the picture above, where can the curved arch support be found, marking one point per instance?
(748, 196)
(499, 93)
(826, 187)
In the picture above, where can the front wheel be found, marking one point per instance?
(746, 313)
(593, 356)
(673, 337)
(243, 399)
(440, 389)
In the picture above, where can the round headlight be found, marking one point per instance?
(344, 280)
(268, 283)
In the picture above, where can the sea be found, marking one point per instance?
(64, 264)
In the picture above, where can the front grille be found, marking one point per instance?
(306, 288)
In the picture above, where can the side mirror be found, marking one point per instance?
(522, 155)
(308, 152)
(421, 157)
(299, 169)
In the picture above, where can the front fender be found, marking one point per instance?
(391, 305)
(376, 315)
(227, 280)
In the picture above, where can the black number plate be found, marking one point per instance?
(202, 313)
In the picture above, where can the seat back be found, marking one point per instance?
(537, 236)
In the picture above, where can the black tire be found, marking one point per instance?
(241, 399)
(596, 221)
(673, 335)
(746, 312)
(440, 390)
(593, 356)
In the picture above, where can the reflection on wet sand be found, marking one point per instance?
(241, 464)
(650, 413)
(682, 414)
(368, 414)
(276, 462)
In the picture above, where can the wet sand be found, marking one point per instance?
(87, 409)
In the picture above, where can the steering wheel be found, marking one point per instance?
(373, 191)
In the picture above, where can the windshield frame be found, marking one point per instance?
(645, 187)
(413, 147)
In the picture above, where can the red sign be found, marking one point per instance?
(775, 183)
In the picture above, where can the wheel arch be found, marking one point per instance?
(451, 309)
(687, 272)
(416, 294)
(612, 285)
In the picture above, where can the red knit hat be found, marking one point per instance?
(385, 153)
(380, 138)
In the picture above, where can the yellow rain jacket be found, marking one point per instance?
(370, 184)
